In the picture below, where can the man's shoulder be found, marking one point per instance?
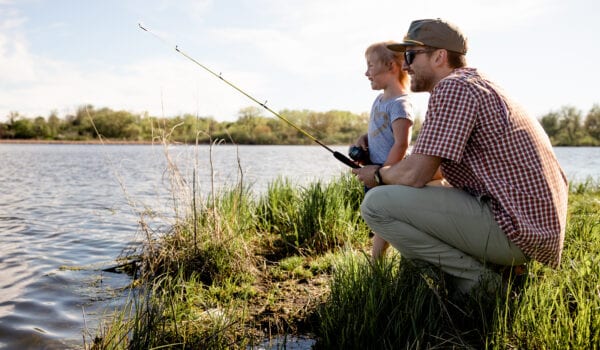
(461, 76)
(467, 80)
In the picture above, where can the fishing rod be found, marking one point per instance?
(339, 156)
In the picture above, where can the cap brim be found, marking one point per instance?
(401, 47)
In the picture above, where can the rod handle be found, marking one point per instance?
(342, 158)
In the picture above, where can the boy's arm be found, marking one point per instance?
(401, 129)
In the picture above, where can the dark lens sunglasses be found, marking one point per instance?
(410, 55)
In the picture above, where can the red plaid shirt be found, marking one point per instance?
(492, 149)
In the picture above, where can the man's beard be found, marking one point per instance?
(421, 82)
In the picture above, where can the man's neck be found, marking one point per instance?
(440, 74)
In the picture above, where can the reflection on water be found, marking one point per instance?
(67, 211)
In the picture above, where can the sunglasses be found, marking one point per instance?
(410, 55)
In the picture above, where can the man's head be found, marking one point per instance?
(432, 49)
(433, 33)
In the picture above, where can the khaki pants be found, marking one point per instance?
(443, 226)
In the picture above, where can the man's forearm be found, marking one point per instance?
(416, 171)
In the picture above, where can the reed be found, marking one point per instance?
(236, 268)
(218, 277)
(561, 309)
(314, 219)
(395, 303)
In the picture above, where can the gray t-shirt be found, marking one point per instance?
(383, 114)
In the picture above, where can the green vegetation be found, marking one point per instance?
(566, 127)
(395, 304)
(251, 127)
(561, 309)
(238, 268)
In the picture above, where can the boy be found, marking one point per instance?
(391, 117)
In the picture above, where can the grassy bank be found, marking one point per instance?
(238, 268)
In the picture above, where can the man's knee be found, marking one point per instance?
(397, 201)
(381, 202)
(368, 207)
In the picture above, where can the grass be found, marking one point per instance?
(561, 309)
(236, 269)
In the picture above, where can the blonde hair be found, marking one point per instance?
(387, 56)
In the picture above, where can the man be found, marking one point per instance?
(508, 199)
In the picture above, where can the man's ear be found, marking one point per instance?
(441, 57)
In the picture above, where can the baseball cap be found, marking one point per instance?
(435, 33)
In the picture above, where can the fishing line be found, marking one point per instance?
(339, 156)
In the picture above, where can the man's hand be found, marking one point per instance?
(366, 174)
(416, 171)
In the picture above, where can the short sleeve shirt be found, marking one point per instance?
(383, 114)
(492, 149)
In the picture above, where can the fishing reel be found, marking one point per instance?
(359, 155)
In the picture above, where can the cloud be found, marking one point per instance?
(16, 62)
(163, 87)
(311, 38)
(37, 85)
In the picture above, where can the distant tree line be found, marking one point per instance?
(251, 127)
(565, 127)
(568, 127)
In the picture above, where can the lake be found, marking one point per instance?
(67, 211)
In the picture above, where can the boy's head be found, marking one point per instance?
(379, 52)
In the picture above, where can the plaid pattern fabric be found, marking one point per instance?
(493, 150)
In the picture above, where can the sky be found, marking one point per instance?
(58, 55)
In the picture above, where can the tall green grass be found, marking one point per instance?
(237, 267)
(217, 278)
(561, 309)
(394, 303)
(316, 218)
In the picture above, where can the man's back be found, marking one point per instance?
(493, 150)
